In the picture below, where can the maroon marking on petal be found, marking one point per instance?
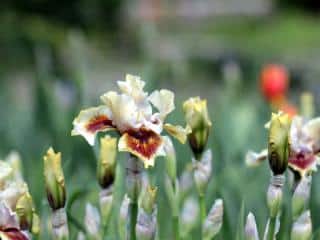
(144, 142)
(301, 160)
(99, 123)
(14, 234)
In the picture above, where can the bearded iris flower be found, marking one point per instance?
(305, 145)
(130, 113)
(9, 225)
(17, 213)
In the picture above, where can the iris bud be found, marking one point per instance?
(197, 117)
(213, 222)
(251, 231)
(54, 180)
(278, 143)
(107, 161)
(302, 228)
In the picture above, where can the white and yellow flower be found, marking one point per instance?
(16, 218)
(130, 113)
(305, 145)
(12, 192)
(304, 148)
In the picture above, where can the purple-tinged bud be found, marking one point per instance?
(251, 231)
(302, 228)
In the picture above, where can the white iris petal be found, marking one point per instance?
(163, 100)
(8, 219)
(80, 124)
(124, 110)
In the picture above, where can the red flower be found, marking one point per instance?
(274, 82)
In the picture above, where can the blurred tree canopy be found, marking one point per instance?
(78, 13)
(309, 5)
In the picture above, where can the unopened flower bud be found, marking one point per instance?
(59, 222)
(92, 221)
(54, 180)
(186, 181)
(213, 222)
(123, 217)
(81, 236)
(197, 117)
(301, 197)
(148, 199)
(302, 228)
(202, 171)
(25, 210)
(278, 142)
(171, 161)
(146, 225)
(189, 216)
(274, 195)
(107, 161)
(106, 199)
(251, 231)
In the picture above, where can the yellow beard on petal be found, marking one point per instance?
(143, 143)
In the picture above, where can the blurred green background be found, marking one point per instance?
(57, 57)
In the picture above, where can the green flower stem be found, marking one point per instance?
(133, 208)
(76, 223)
(175, 216)
(271, 228)
(176, 229)
(202, 205)
(104, 230)
(133, 171)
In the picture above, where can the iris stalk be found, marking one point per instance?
(133, 176)
(274, 198)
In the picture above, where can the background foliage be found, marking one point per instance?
(59, 56)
